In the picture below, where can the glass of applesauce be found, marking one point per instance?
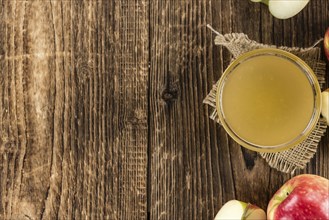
(268, 100)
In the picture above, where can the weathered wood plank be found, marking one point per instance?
(73, 106)
(195, 167)
(182, 179)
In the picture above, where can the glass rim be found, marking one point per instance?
(313, 80)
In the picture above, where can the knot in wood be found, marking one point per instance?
(170, 94)
(249, 158)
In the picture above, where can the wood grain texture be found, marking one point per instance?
(195, 166)
(73, 104)
(185, 177)
(101, 113)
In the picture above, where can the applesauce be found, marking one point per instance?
(268, 100)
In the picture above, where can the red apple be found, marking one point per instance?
(326, 43)
(303, 197)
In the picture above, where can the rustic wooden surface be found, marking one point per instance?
(101, 113)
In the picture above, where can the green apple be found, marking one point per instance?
(237, 210)
(325, 105)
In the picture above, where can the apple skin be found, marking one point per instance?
(303, 197)
(237, 210)
(325, 105)
(326, 43)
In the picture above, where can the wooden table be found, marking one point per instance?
(102, 115)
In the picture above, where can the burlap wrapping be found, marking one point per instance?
(297, 157)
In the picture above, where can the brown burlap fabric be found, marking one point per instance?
(297, 157)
